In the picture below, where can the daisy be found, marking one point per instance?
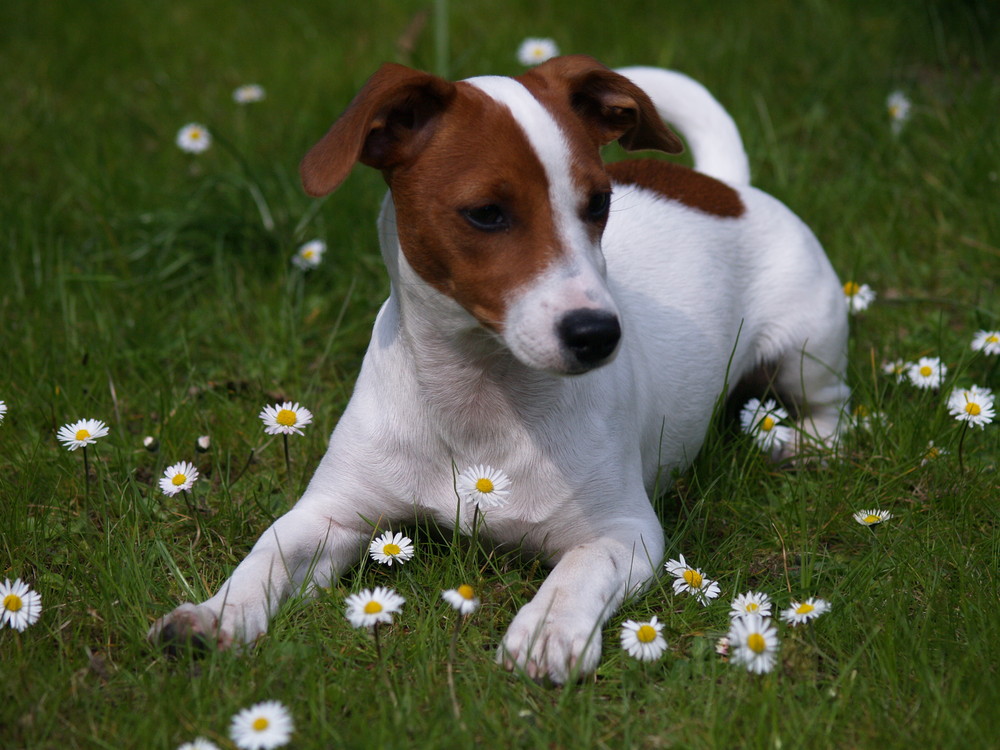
(899, 106)
(753, 642)
(81, 434)
(203, 444)
(972, 405)
(248, 94)
(798, 613)
(19, 605)
(927, 372)
(933, 452)
(897, 368)
(178, 478)
(866, 419)
(761, 421)
(858, 296)
(872, 517)
(309, 255)
(484, 486)
(463, 599)
(199, 743)
(692, 581)
(536, 51)
(751, 603)
(3, 410)
(722, 646)
(369, 608)
(285, 418)
(262, 726)
(150, 443)
(193, 138)
(987, 342)
(643, 640)
(390, 548)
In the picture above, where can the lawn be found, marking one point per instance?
(152, 289)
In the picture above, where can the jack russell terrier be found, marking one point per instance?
(571, 322)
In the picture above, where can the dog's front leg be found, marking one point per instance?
(558, 633)
(304, 545)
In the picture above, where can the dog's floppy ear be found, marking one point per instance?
(382, 127)
(610, 105)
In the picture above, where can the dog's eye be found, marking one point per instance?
(488, 218)
(597, 207)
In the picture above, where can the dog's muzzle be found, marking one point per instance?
(590, 337)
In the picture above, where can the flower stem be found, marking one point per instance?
(961, 442)
(452, 649)
(86, 473)
(288, 460)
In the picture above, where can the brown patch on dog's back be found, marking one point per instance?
(681, 184)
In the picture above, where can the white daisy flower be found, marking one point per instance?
(390, 548)
(82, 433)
(899, 106)
(753, 643)
(19, 605)
(800, 613)
(897, 369)
(484, 486)
(536, 51)
(972, 405)
(643, 640)
(3, 411)
(199, 743)
(751, 603)
(933, 453)
(691, 580)
(309, 255)
(872, 517)
(203, 444)
(262, 726)
(722, 646)
(150, 443)
(178, 478)
(858, 296)
(285, 418)
(761, 420)
(463, 599)
(194, 138)
(987, 342)
(927, 372)
(248, 94)
(866, 419)
(368, 607)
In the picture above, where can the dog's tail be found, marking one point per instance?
(709, 131)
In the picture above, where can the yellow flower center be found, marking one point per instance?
(373, 608)
(767, 424)
(484, 485)
(260, 724)
(308, 254)
(391, 549)
(804, 608)
(82, 434)
(195, 135)
(753, 607)
(756, 643)
(12, 603)
(932, 453)
(646, 634)
(286, 417)
(693, 578)
(926, 371)
(973, 409)
(178, 480)
(465, 591)
(872, 519)
(993, 339)
(861, 410)
(851, 288)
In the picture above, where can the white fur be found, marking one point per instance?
(699, 296)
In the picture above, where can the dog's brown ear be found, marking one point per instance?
(383, 126)
(610, 105)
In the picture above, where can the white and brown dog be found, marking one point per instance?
(569, 321)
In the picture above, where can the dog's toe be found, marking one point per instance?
(560, 648)
(189, 628)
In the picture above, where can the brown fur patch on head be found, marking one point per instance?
(681, 184)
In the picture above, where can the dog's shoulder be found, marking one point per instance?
(679, 183)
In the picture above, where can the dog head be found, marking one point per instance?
(500, 194)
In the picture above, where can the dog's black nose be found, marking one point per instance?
(591, 335)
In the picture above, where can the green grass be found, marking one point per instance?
(141, 287)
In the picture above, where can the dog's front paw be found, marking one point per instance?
(192, 625)
(544, 643)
